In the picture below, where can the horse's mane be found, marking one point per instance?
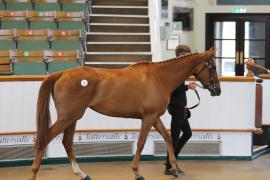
(181, 58)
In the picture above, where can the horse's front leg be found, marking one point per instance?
(147, 123)
(163, 131)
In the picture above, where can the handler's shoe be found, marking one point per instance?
(167, 171)
(179, 171)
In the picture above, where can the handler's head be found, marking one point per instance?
(182, 50)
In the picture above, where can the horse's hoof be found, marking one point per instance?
(173, 172)
(140, 178)
(86, 178)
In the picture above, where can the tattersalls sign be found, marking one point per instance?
(17, 139)
(103, 136)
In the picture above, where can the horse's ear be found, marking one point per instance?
(211, 52)
(211, 49)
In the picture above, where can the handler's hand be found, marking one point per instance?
(192, 86)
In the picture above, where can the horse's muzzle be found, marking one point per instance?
(215, 92)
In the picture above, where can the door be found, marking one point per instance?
(236, 38)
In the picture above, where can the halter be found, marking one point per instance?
(211, 84)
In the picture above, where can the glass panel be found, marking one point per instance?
(254, 49)
(255, 70)
(225, 66)
(225, 48)
(254, 30)
(225, 30)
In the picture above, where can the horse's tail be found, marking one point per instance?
(43, 109)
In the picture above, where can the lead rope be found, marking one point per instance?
(198, 96)
(192, 107)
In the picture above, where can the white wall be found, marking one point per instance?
(196, 38)
(234, 109)
(266, 102)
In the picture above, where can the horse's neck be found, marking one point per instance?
(175, 72)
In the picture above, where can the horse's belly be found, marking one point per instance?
(118, 110)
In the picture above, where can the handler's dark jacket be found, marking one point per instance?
(178, 98)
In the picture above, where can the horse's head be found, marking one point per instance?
(206, 73)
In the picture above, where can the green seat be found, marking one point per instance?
(7, 45)
(60, 66)
(71, 25)
(29, 68)
(47, 7)
(19, 6)
(66, 45)
(75, 7)
(2, 6)
(43, 25)
(33, 45)
(14, 25)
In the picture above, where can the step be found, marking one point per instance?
(119, 28)
(108, 66)
(116, 43)
(127, 10)
(119, 47)
(120, 2)
(119, 37)
(103, 57)
(119, 19)
(118, 24)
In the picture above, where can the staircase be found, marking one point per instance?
(119, 33)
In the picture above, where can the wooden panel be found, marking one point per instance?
(118, 38)
(120, 2)
(258, 107)
(130, 11)
(110, 28)
(119, 47)
(106, 19)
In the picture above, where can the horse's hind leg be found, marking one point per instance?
(56, 129)
(68, 144)
(147, 123)
(163, 131)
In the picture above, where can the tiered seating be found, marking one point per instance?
(28, 62)
(42, 36)
(14, 20)
(7, 39)
(71, 20)
(38, 62)
(28, 57)
(32, 40)
(47, 5)
(18, 5)
(42, 20)
(61, 60)
(67, 40)
(75, 5)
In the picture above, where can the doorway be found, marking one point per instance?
(236, 38)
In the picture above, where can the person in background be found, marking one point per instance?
(180, 114)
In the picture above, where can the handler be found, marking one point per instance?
(180, 114)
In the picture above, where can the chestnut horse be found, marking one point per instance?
(140, 91)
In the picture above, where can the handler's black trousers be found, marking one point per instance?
(179, 123)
